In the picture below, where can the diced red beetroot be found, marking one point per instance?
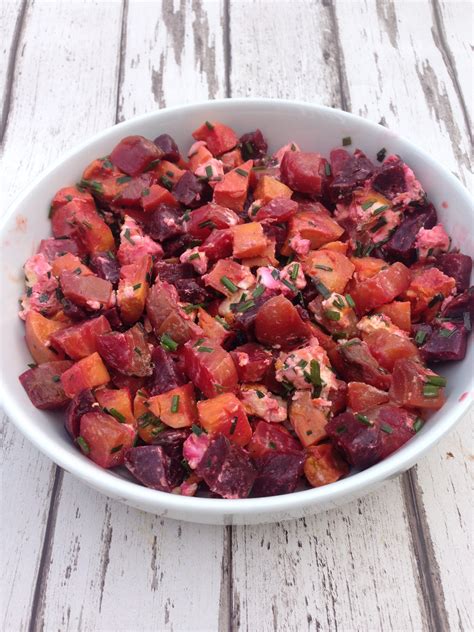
(126, 352)
(251, 361)
(212, 372)
(64, 216)
(401, 245)
(89, 292)
(154, 468)
(84, 402)
(134, 154)
(74, 312)
(164, 223)
(104, 439)
(411, 388)
(367, 439)
(303, 172)
(130, 196)
(219, 138)
(390, 179)
(188, 190)
(279, 209)
(54, 248)
(279, 323)
(338, 397)
(448, 342)
(131, 382)
(191, 291)
(457, 266)
(43, 386)
(165, 314)
(245, 321)
(349, 172)
(68, 194)
(80, 340)
(380, 289)
(106, 266)
(254, 145)
(113, 317)
(167, 145)
(166, 372)
(218, 244)
(172, 441)
(206, 218)
(270, 437)
(460, 305)
(359, 365)
(278, 473)
(361, 396)
(227, 469)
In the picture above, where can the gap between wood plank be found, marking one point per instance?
(439, 36)
(122, 50)
(227, 49)
(19, 26)
(341, 71)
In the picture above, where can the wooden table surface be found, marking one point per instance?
(74, 560)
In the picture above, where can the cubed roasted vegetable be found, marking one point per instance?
(136, 188)
(88, 372)
(82, 403)
(38, 333)
(427, 290)
(154, 468)
(399, 313)
(307, 419)
(43, 384)
(127, 352)
(89, 292)
(387, 347)
(228, 277)
(217, 245)
(324, 465)
(251, 361)
(249, 240)
(104, 440)
(279, 324)
(268, 438)
(279, 209)
(79, 341)
(165, 314)
(133, 289)
(54, 248)
(303, 172)
(118, 403)
(359, 365)
(177, 407)
(277, 473)
(231, 191)
(269, 188)
(225, 415)
(167, 373)
(156, 196)
(134, 154)
(209, 367)
(414, 386)
(207, 218)
(214, 327)
(361, 396)
(218, 137)
(317, 227)
(381, 288)
(80, 221)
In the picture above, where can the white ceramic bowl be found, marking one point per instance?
(314, 128)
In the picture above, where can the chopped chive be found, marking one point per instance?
(209, 171)
(117, 414)
(56, 378)
(110, 255)
(145, 192)
(303, 363)
(32, 365)
(386, 428)
(138, 351)
(242, 172)
(43, 298)
(222, 322)
(233, 425)
(198, 342)
(350, 301)
(436, 380)
(170, 174)
(195, 255)
(259, 290)
(315, 373)
(168, 343)
(186, 215)
(275, 274)
(197, 430)
(260, 395)
(77, 271)
(205, 349)
(363, 419)
(436, 299)
(447, 333)
(137, 286)
(420, 337)
(382, 221)
(322, 289)
(82, 443)
(327, 169)
(320, 266)
(290, 286)
(381, 154)
(87, 224)
(174, 404)
(227, 283)
(123, 179)
(244, 306)
(418, 425)
(367, 204)
(166, 182)
(116, 449)
(192, 307)
(339, 303)
(347, 140)
(430, 390)
(341, 429)
(207, 224)
(249, 147)
(294, 271)
(272, 445)
(332, 314)
(128, 237)
(380, 209)
(209, 125)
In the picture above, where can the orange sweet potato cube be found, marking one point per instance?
(324, 465)
(167, 172)
(331, 268)
(200, 157)
(225, 414)
(231, 191)
(399, 313)
(133, 289)
(118, 403)
(69, 263)
(318, 227)
(307, 420)
(86, 373)
(266, 258)
(176, 408)
(38, 331)
(249, 240)
(157, 195)
(214, 328)
(269, 188)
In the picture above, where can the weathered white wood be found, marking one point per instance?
(10, 18)
(55, 103)
(112, 557)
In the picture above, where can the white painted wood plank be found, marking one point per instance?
(111, 557)
(10, 16)
(51, 109)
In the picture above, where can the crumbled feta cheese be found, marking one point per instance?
(213, 169)
(281, 281)
(288, 272)
(134, 244)
(294, 367)
(254, 207)
(41, 288)
(432, 241)
(196, 258)
(375, 322)
(259, 401)
(194, 448)
(195, 147)
(299, 245)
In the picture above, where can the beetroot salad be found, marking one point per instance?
(232, 322)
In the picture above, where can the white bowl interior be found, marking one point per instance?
(314, 128)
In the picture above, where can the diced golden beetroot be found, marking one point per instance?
(149, 425)
(200, 157)
(176, 408)
(387, 347)
(362, 396)
(218, 137)
(227, 270)
(337, 246)
(158, 195)
(308, 421)
(80, 341)
(381, 288)
(331, 268)
(86, 373)
(278, 323)
(133, 289)
(212, 328)
(69, 263)
(118, 403)
(104, 440)
(318, 227)
(106, 181)
(95, 235)
(209, 367)
(88, 291)
(399, 313)
(231, 159)
(269, 188)
(231, 191)
(165, 314)
(79, 220)
(68, 194)
(249, 240)
(367, 267)
(225, 414)
(427, 290)
(167, 171)
(324, 465)
(411, 388)
(267, 258)
(38, 332)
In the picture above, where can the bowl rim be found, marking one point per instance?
(158, 501)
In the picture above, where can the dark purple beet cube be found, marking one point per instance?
(188, 190)
(172, 272)
(447, 343)
(351, 173)
(172, 441)
(84, 402)
(191, 291)
(401, 246)
(278, 473)
(390, 179)
(43, 384)
(253, 145)
(106, 266)
(166, 372)
(227, 469)
(164, 223)
(131, 195)
(457, 266)
(153, 467)
(113, 316)
(177, 245)
(54, 248)
(460, 305)
(168, 146)
(72, 311)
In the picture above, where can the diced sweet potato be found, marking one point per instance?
(218, 137)
(228, 277)
(427, 290)
(267, 258)
(104, 440)
(318, 227)
(269, 188)
(80, 341)
(82, 223)
(133, 289)
(381, 288)
(167, 173)
(209, 367)
(279, 324)
(177, 407)
(367, 267)
(117, 403)
(38, 332)
(252, 361)
(337, 246)
(213, 327)
(68, 194)
(417, 387)
(324, 465)
(201, 156)
(225, 415)
(133, 154)
(149, 426)
(330, 268)
(231, 191)
(308, 421)
(399, 313)
(127, 352)
(90, 291)
(361, 396)
(69, 263)
(158, 195)
(86, 373)
(249, 240)
(43, 384)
